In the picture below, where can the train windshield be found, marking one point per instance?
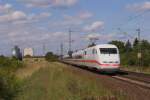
(108, 50)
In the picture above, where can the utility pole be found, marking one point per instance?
(44, 49)
(70, 43)
(70, 40)
(139, 55)
(139, 34)
(62, 50)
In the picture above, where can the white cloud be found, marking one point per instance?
(93, 36)
(82, 15)
(13, 16)
(77, 19)
(49, 3)
(5, 8)
(45, 14)
(54, 36)
(63, 3)
(85, 15)
(139, 6)
(31, 18)
(101, 37)
(18, 15)
(18, 27)
(94, 26)
(39, 16)
(71, 20)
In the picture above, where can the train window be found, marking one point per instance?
(94, 51)
(108, 50)
(85, 52)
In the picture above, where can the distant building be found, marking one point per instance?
(16, 52)
(28, 52)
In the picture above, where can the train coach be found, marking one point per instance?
(104, 57)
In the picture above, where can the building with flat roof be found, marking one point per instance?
(28, 52)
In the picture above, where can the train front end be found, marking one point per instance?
(109, 58)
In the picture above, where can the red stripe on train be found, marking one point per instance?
(94, 61)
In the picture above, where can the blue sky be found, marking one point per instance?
(34, 23)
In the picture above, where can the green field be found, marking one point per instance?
(55, 81)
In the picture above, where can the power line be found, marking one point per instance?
(129, 20)
(134, 17)
(125, 33)
(70, 38)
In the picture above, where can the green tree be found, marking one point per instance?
(128, 53)
(136, 42)
(145, 48)
(128, 46)
(145, 45)
(51, 57)
(119, 44)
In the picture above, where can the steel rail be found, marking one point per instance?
(141, 83)
(137, 82)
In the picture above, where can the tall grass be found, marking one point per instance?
(9, 84)
(56, 82)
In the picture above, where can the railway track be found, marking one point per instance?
(133, 81)
(138, 76)
(140, 79)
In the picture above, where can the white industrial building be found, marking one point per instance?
(28, 52)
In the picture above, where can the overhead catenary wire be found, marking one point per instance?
(134, 17)
(120, 26)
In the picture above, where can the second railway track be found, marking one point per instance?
(133, 81)
(140, 79)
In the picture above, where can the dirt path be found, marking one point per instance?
(31, 66)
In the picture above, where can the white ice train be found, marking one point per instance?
(104, 57)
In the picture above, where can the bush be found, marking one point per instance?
(129, 52)
(51, 57)
(10, 64)
(146, 58)
(9, 84)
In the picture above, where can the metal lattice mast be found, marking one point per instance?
(139, 48)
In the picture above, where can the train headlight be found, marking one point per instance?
(117, 62)
(105, 62)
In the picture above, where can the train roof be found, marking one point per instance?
(107, 45)
(103, 46)
(97, 46)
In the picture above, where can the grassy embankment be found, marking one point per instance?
(139, 69)
(10, 85)
(55, 81)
